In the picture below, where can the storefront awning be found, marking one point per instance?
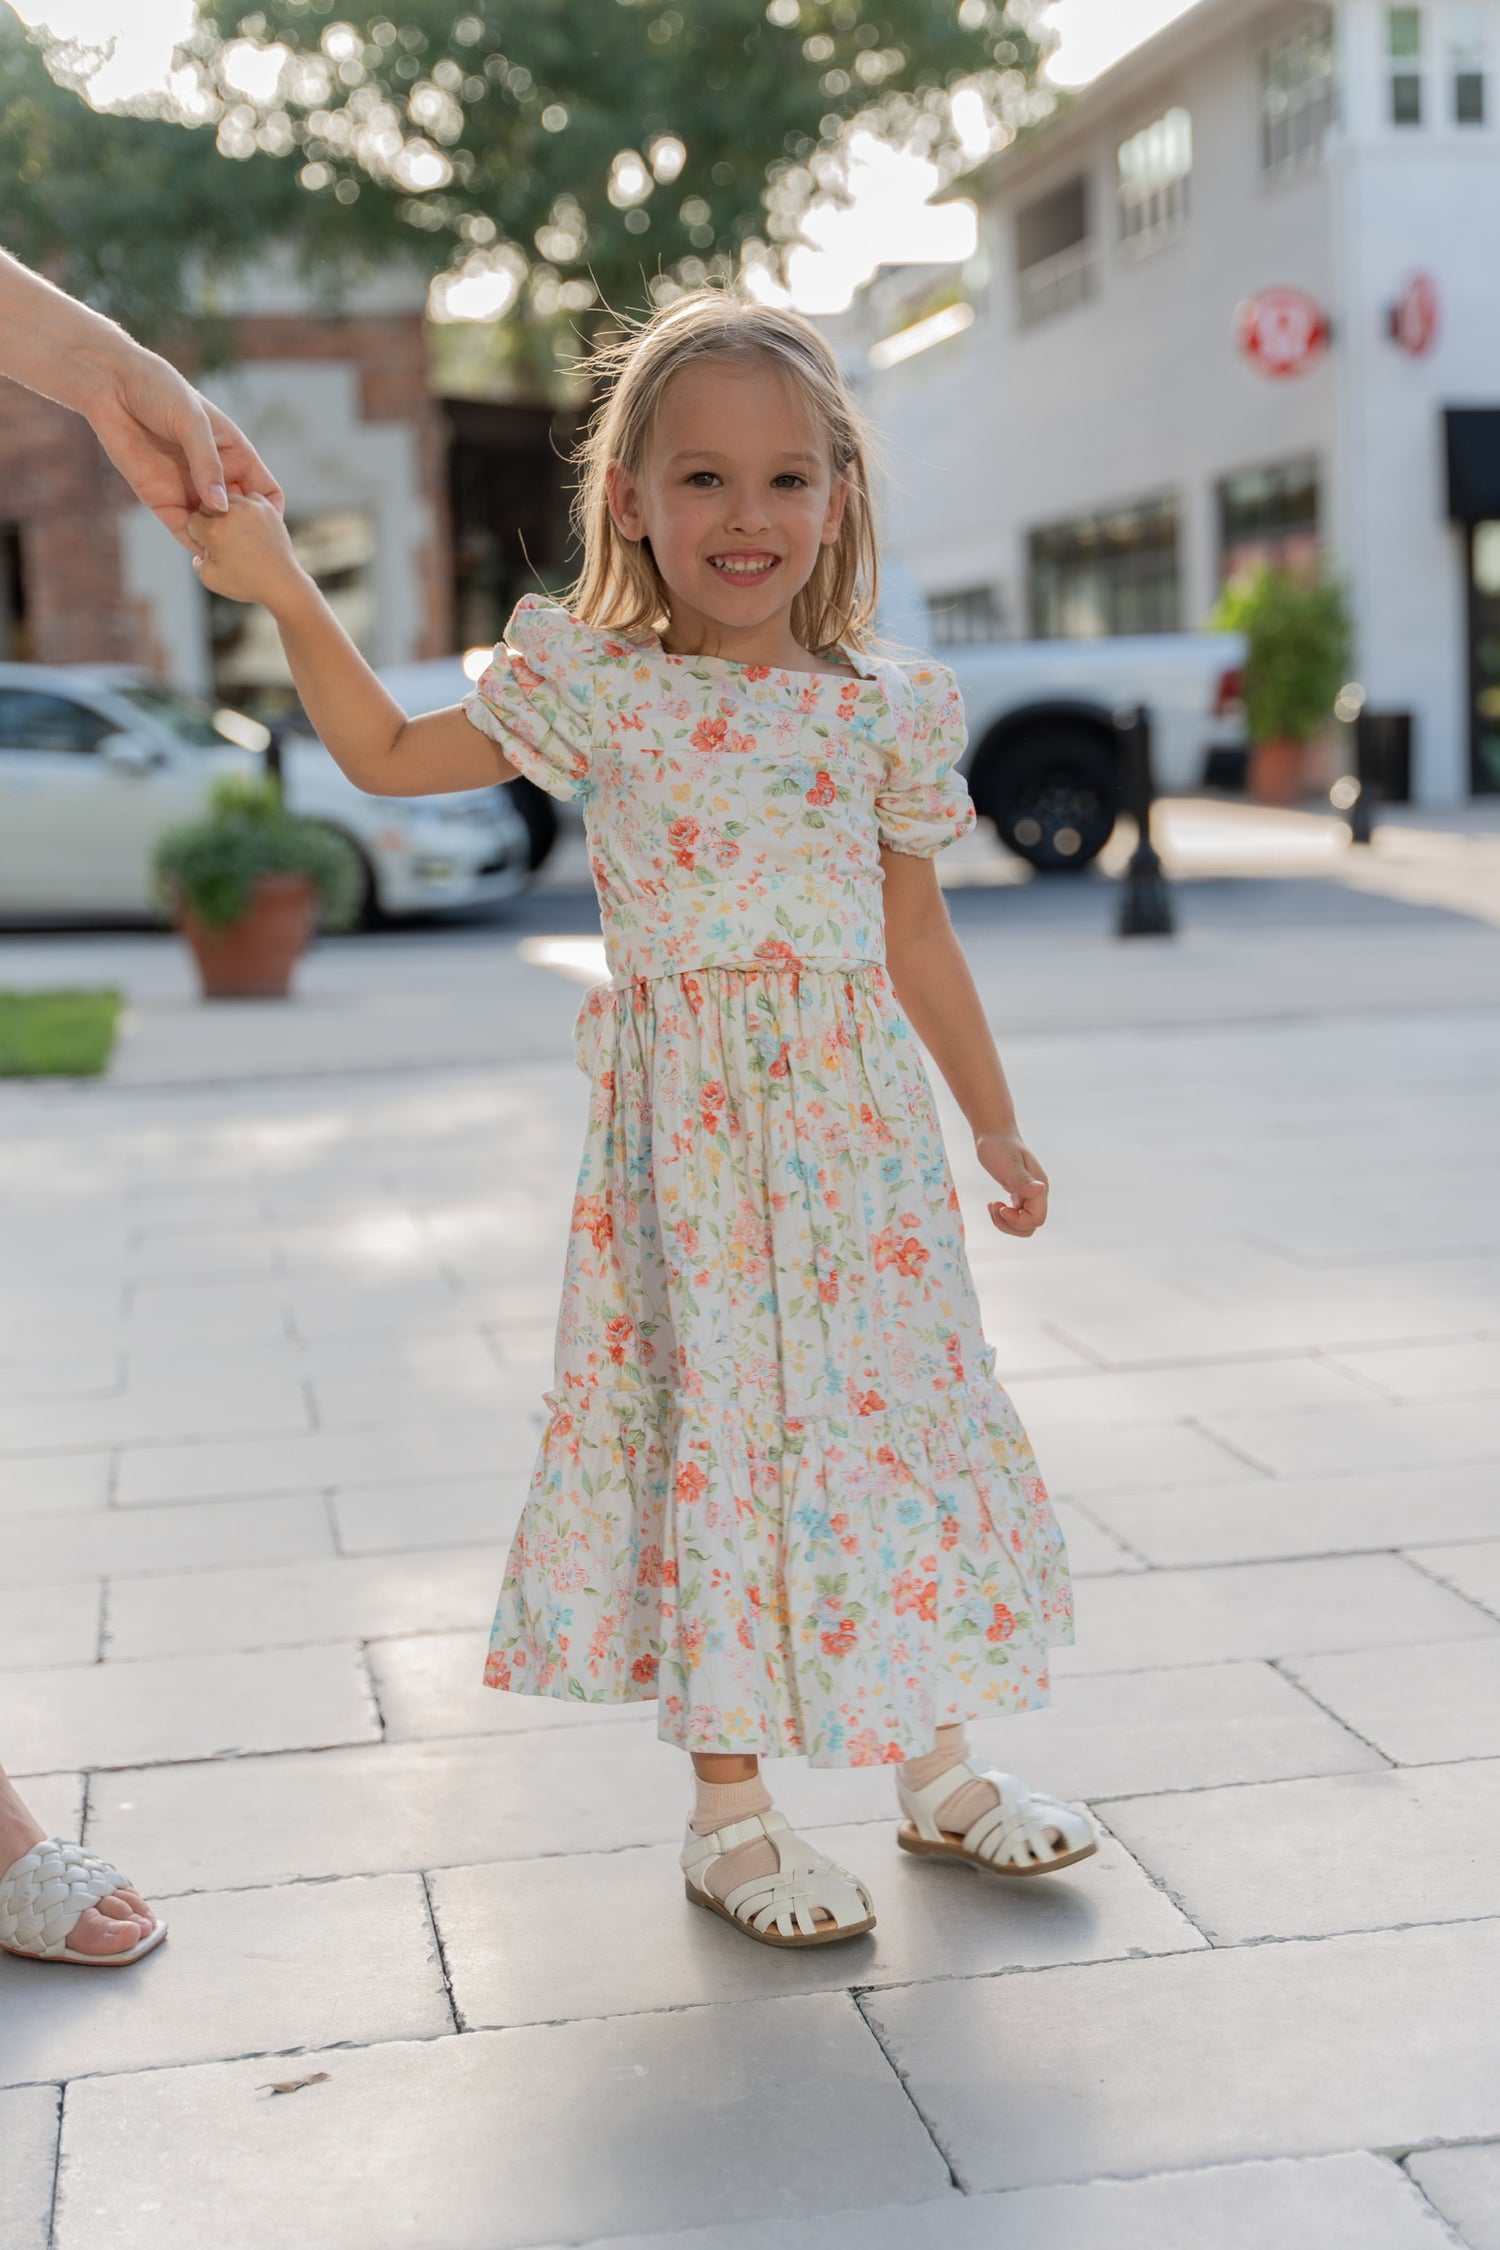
(1473, 463)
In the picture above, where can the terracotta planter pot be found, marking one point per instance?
(1278, 771)
(253, 959)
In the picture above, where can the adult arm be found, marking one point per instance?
(177, 452)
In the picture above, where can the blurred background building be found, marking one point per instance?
(1234, 302)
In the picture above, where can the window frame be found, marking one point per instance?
(1309, 107)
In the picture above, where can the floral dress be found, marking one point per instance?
(779, 1488)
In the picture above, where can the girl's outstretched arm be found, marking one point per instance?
(248, 556)
(936, 988)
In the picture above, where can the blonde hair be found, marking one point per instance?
(619, 586)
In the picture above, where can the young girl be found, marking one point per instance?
(780, 1489)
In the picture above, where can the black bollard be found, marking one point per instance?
(1361, 824)
(1145, 901)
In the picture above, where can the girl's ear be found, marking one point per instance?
(624, 500)
(833, 521)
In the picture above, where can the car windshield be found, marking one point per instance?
(193, 721)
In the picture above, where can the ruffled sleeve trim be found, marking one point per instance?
(536, 696)
(923, 805)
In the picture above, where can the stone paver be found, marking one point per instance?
(275, 1324)
(1316, 2203)
(1464, 2185)
(28, 2135)
(504, 2139)
(190, 1707)
(1141, 2066)
(302, 1965)
(1382, 1849)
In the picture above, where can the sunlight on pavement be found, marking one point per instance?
(580, 958)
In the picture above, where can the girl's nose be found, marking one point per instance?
(746, 511)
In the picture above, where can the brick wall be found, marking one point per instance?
(60, 490)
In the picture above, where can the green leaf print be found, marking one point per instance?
(813, 820)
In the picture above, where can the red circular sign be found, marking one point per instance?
(1414, 315)
(1282, 331)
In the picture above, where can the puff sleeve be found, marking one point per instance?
(535, 697)
(923, 802)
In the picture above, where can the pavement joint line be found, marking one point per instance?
(1226, 1445)
(101, 1631)
(440, 1951)
(857, 1997)
(1160, 1884)
(1473, 1600)
(57, 2130)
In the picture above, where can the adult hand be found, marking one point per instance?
(175, 450)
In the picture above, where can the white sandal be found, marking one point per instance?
(43, 1895)
(780, 1909)
(1025, 1834)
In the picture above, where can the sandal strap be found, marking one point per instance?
(45, 1892)
(806, 1883)
(1022, 1816)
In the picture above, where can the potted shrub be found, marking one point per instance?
(1298, 635)
(246, 885)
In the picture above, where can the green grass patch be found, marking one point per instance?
(57, 1034)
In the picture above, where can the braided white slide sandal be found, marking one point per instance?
(1025, 1834)
(780, 1909)
(44, 1893)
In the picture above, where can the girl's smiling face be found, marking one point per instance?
(738, 496)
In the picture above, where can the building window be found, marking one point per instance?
(1467, 58)
(1154, 169)
(1404, 47)
(1298, 98)
(1269, 518)
(971, 613)
(1115, 572)
(1054, 257)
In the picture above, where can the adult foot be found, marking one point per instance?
(120, 1920)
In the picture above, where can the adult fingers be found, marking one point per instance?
(195, 434)
(243, 465)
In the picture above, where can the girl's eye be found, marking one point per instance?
(790, 476)
(699, 474)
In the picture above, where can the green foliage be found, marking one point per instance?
(248, 832)
(57, 1034)
(454, 128)
(1300, 639)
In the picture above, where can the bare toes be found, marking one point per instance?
(94, 1932)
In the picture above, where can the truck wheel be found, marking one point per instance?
(1053, 797)
(539, 812)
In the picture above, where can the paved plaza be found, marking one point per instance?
(276, 1320)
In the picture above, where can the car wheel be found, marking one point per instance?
(539, 812)
(1053, 797)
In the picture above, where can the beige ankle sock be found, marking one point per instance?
(719, 1804)
(959, 1812)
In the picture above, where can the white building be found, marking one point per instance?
(1097, 448)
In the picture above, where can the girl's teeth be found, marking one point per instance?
(744, 570)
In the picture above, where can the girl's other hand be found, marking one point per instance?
(1007, 1159)
(246, 553)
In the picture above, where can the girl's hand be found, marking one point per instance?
(246, 553)
(1007, 1159)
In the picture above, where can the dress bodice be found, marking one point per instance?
(734, 812)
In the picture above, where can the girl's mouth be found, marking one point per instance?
(744, 570)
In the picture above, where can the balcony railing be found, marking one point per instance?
(1053, 285)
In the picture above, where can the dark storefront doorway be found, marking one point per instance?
(1484, 657)
(509, 481)
(1473, 434)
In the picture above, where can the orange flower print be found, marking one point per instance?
(780, 1067)
(1002, 1625)
(841, 1639)
(904, 1252)
(692, 992)
(955, 1357)
(822, 791)
(591, 1218)
(686, 1236)
(683, 836)
(711, 1100)
(618, 1333)
(644, 1670)
(917, 1596)
(777, 954)
(691, 1485)
(868, 1402)
(757, 671)
(709, 734)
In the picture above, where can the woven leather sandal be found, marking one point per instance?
(1025, 1834)
(780, 1909)
(42, 1896)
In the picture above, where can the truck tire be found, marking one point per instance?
(1053, 795)
(539, 812)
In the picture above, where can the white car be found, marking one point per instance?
(97, 761)
(1044, 755)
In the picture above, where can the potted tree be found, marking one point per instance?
(1298, 634)
(246, 885)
